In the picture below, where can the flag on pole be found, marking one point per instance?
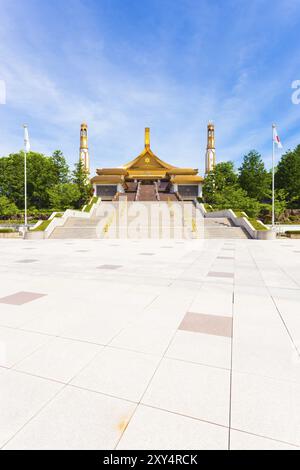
(26, 139)
(276, 138)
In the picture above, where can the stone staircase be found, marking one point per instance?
(147, 192)
(77, 228)
(151, 224)
(222, 228)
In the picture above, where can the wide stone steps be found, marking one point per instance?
(74, 232)
(77, 228)
(222, 228)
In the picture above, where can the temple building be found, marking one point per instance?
(148, 178)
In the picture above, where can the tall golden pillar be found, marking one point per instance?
(210, 156)
(147, 137)
(84, 149)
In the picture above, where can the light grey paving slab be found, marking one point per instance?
(245, 441)
(144, 338)
(192, 390)
(76, 419)
(201, 348)
(266, 407)
(60, 359)
(120, 373)
(151, 428)
(22, 396)
(15, 345)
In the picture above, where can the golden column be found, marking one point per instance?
(210, 156)
(147, 137)
(84, 148)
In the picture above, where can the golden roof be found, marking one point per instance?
(108, 179)
(146, 165)
(181, 179)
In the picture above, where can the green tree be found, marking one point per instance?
(253, 176)
(236, 198)
(287, 176)
(60, 167)
(12, 178)
(265, 213)
(64, 196)
(221, 177)
(7, 208)
(80, 178)
(42, 174)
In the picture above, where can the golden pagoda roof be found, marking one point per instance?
(182, 179)
(108, 179)
(146, 165)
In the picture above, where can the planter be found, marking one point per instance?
(10, 235)
(293, 235)
(34, 235)
(265, 235)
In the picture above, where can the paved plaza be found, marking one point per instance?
(149, 344)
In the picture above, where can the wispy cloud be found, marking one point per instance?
(169, 65)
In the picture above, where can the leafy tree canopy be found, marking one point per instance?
(253, 176)
(221, 177)
(7, 208)
(288, 176)
(60, 167)
(236, 199)
(80, 178)
(64, 196)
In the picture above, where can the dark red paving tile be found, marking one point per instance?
(207, 324)
(21, 298)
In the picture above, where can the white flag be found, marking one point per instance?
(276, 138)
(26, 139)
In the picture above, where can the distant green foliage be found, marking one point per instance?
(60, 167)
(254, 178)
(222, 177)
(64, 196)
(49, 183)
(80, 178)
(287, 176)
(42, 226)
(7, 208)
(256, 224)
(7, 230)
(251, 189)
(235, 198)
(90, 205)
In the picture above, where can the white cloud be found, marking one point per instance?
(83, 81)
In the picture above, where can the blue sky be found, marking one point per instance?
(172, 65)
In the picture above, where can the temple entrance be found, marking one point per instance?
(147, 191)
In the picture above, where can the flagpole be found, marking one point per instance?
(273, 178)
(25, 186)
